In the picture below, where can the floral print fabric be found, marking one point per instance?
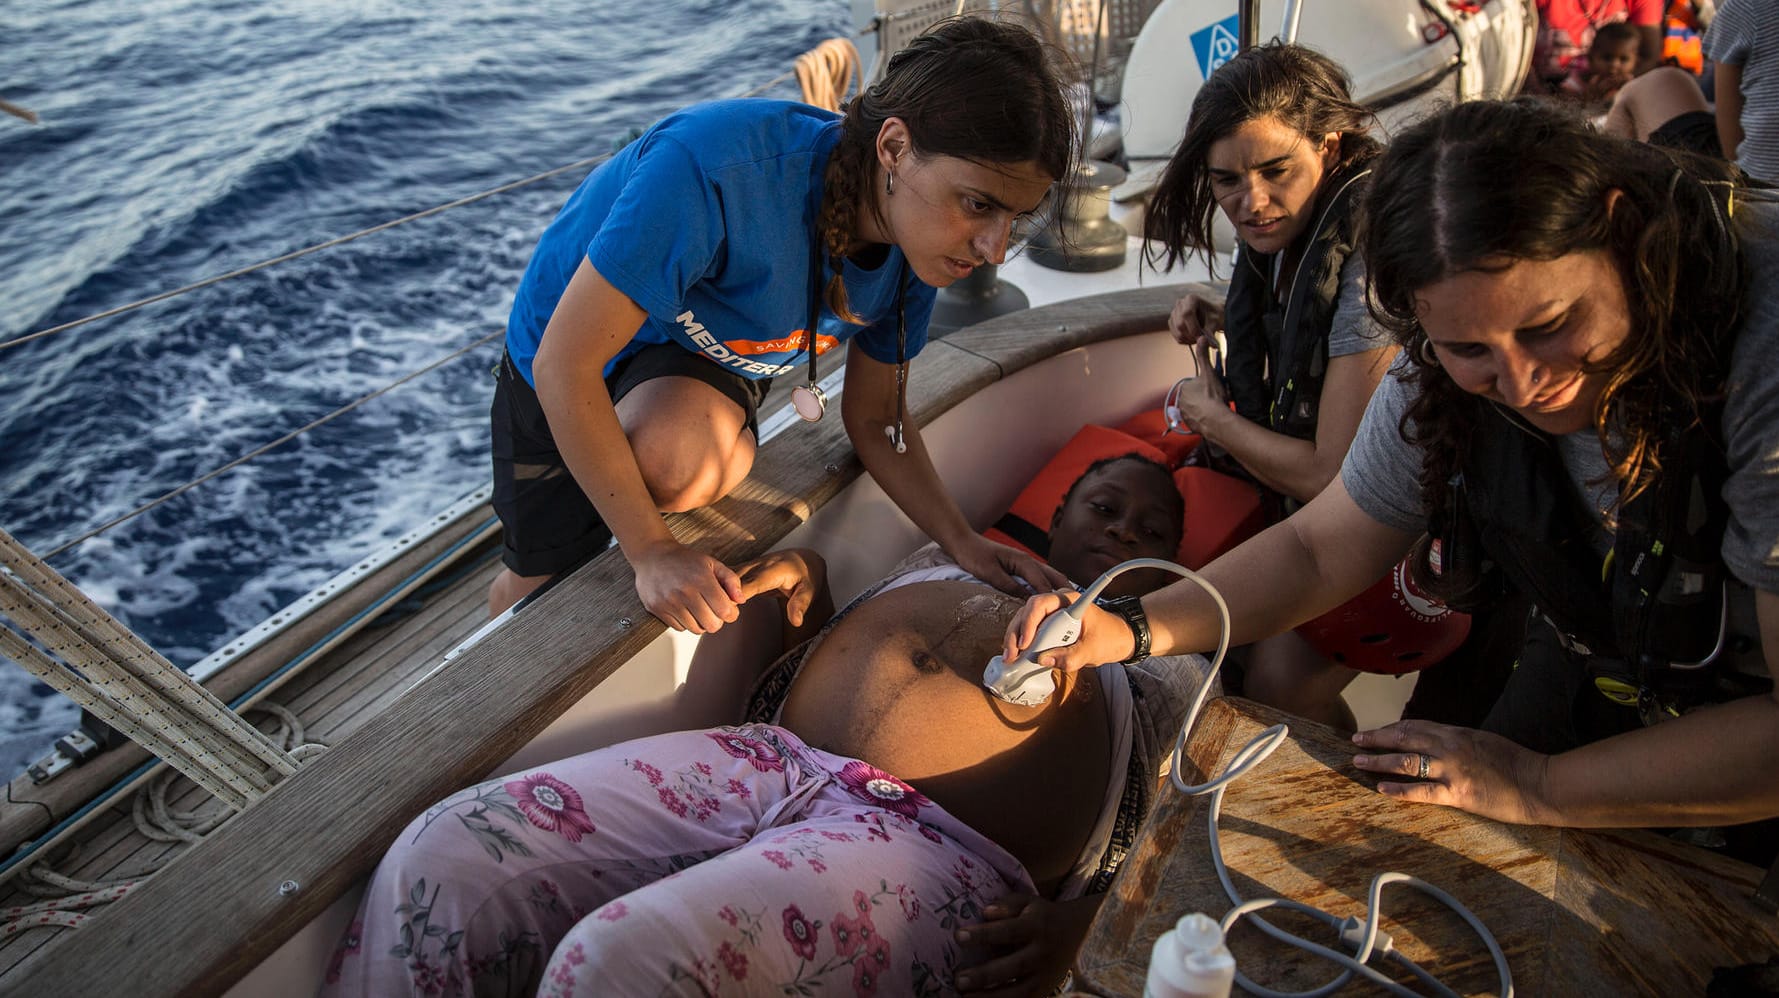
(735, 861)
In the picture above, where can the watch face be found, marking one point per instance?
(809, 401)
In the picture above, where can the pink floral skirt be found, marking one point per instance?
(730, 861)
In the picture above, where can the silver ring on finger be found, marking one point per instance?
(1422, 765)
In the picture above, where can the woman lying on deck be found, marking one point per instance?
(895, 829)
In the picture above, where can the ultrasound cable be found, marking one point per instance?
(1062, 627)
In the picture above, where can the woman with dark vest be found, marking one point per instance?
(1587, 413)
(1276, 142)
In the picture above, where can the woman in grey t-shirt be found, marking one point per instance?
(1566, 301)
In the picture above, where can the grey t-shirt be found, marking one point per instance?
(1381, 471)
(1354, 330)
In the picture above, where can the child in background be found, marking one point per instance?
(1611, 58)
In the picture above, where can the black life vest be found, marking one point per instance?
(1278, 352)
(1652, 614)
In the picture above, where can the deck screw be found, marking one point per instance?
(1062, 329)
(288, 888)
(832, 469)
(625, 622)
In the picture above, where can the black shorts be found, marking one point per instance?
(549, 524)
(1693, 131)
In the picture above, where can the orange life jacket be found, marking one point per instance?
(1682, 45)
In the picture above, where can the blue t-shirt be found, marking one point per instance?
(708, 223)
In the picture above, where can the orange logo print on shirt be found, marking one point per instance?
(785, 344)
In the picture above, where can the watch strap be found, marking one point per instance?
(1130, 609)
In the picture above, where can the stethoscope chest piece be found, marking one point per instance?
(809, 402)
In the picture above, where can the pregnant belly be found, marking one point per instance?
(898, 685)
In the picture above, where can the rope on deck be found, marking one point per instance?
(66, 898)
(828, 72)
(86, 654)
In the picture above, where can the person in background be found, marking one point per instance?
(882, 825)
(1277, 144)
(1743, 46)
(1612, 56)
(1665, 107)
(1566, 29)
(1587, 413)
(1683, 41)
(732, 243)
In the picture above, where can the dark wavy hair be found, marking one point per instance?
(988, 91)
(1304, 89)
(1483, 184)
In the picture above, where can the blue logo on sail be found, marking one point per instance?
(1216, 44)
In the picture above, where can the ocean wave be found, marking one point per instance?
(194, 137)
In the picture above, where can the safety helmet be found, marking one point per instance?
(1392, 628)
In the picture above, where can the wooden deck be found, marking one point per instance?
(332, 698)
(1603, 913)
(216, 910)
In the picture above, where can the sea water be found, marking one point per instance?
(180, 139)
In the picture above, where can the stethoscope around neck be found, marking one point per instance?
(808, 400)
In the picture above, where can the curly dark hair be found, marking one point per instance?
(1304, 89)
(1486, 183)
(984, 90)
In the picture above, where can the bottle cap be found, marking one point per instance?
(1198, 933)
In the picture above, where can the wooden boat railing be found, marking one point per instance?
(254, 674)
(214, 913)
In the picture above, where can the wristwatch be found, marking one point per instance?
(1131, 609)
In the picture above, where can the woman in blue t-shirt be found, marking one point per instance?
(735, 242)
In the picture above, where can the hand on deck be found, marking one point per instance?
(1023, 945)
(797, 574)
(1471, 770)
(1104, 638)
(689, 590)
(998, 564)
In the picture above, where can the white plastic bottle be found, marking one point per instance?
(1190, 961)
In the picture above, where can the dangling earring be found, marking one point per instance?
(889, 182)
(1424, 352)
